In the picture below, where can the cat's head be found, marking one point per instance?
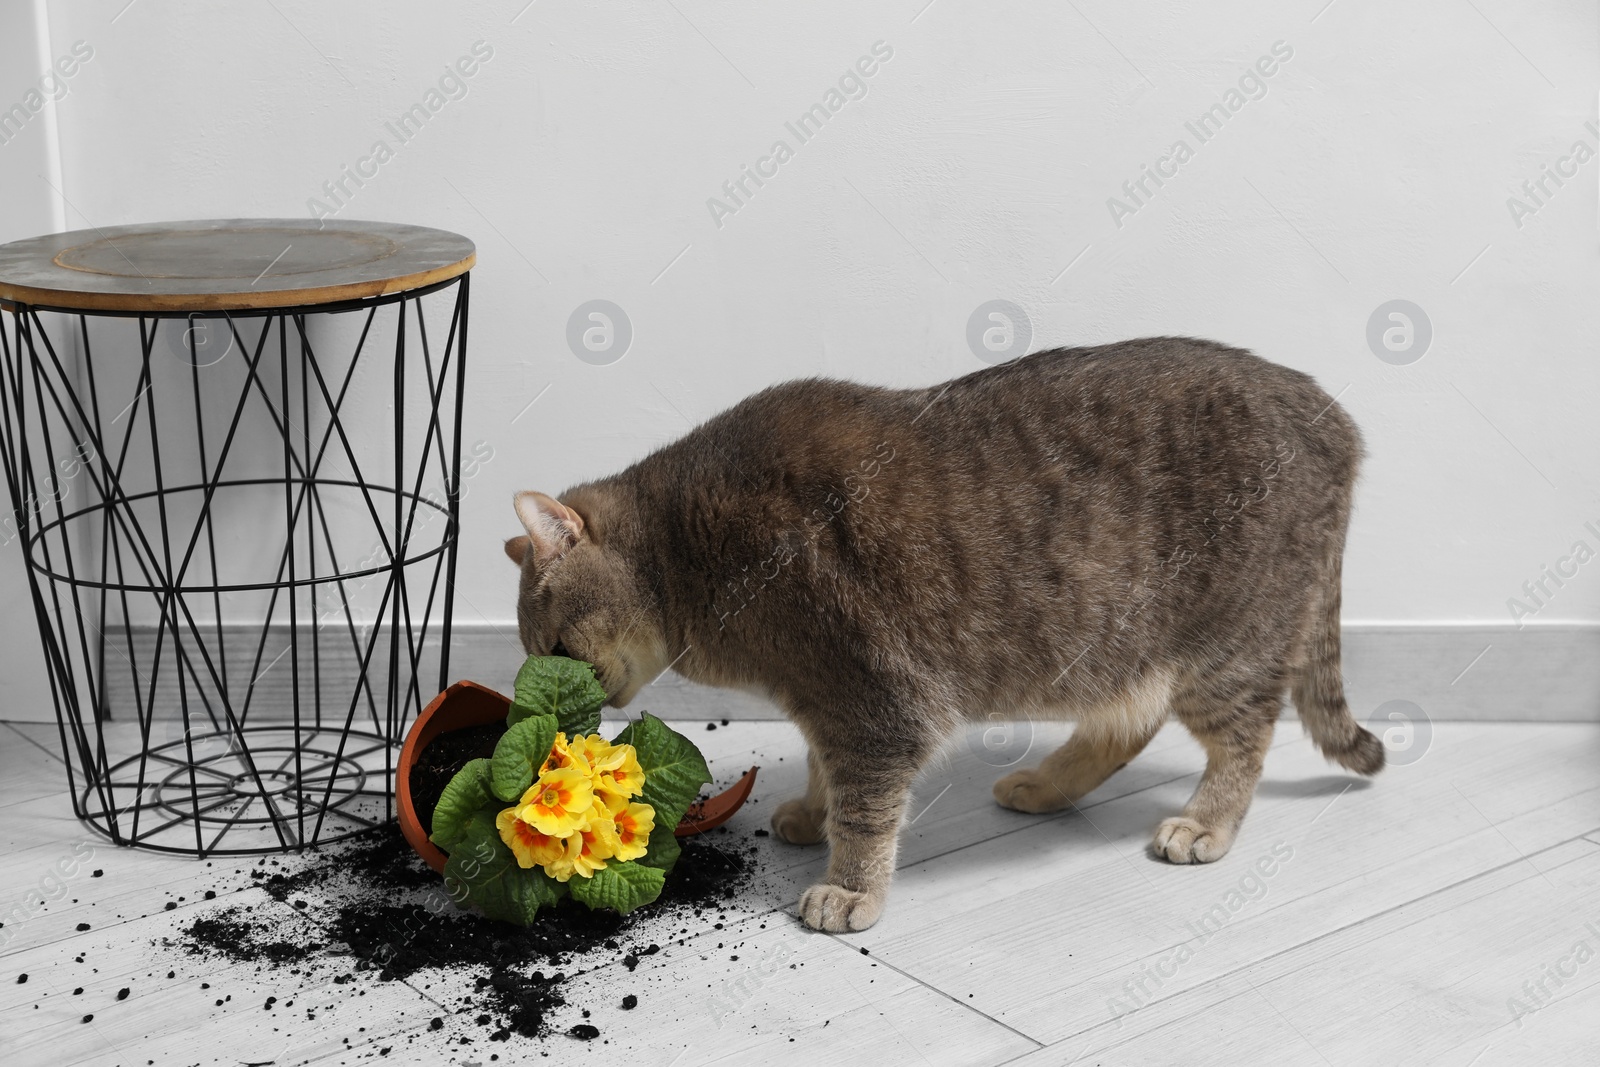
(581, 598)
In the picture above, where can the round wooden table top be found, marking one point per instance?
(227, 264)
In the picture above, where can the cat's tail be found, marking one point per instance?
(1316, 682)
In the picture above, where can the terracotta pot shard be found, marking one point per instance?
(467, 704)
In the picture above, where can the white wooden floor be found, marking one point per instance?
(1405, 921)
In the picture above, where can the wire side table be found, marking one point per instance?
(233, 454)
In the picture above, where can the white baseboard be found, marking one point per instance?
(1477, 672)
(1481, 672)
(1546, 672)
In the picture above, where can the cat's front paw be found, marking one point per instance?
(798, 823)
(1181, 839)
(1031, 791)
(839, 910)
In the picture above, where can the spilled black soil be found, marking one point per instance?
(370, 908)
(447, 754)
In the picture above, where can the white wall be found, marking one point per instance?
(29, 184)
(978, 166)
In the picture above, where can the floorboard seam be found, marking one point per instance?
(1062, 816)
(1077, 808)
(1329, 887)
(1217, 979)
(50, 755)
(686, 942)
(974, 1009)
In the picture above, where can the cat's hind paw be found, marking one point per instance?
(798, 823)
(1031, 791)
(839, 910)
(1181, 839)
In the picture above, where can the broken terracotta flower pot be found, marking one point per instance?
(468, 704)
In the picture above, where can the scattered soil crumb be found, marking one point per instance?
(369, 908)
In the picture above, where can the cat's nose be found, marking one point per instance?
(560, 650)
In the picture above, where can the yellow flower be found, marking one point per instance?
(597, 750)
(633, 825)
(562, 756)
(607, 804)
(559, 802)
(528, 845)
(584, 852)
(616, 767)
(562, 867)
(595, 844)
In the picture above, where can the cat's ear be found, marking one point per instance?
(517, 548)
(552, 527)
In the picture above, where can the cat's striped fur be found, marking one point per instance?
(1109, 534)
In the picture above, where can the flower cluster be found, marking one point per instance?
(579, 812)
(579, 804)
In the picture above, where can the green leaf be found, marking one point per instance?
(518, 754)
(620, 886)
(465, 794)
(664, 848)
(674, 769)
(587, 723)
(483, 872)
(565, 688)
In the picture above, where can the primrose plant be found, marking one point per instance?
(560, 811)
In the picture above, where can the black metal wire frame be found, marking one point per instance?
(239, 780)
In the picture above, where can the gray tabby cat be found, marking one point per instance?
(1109, 534)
